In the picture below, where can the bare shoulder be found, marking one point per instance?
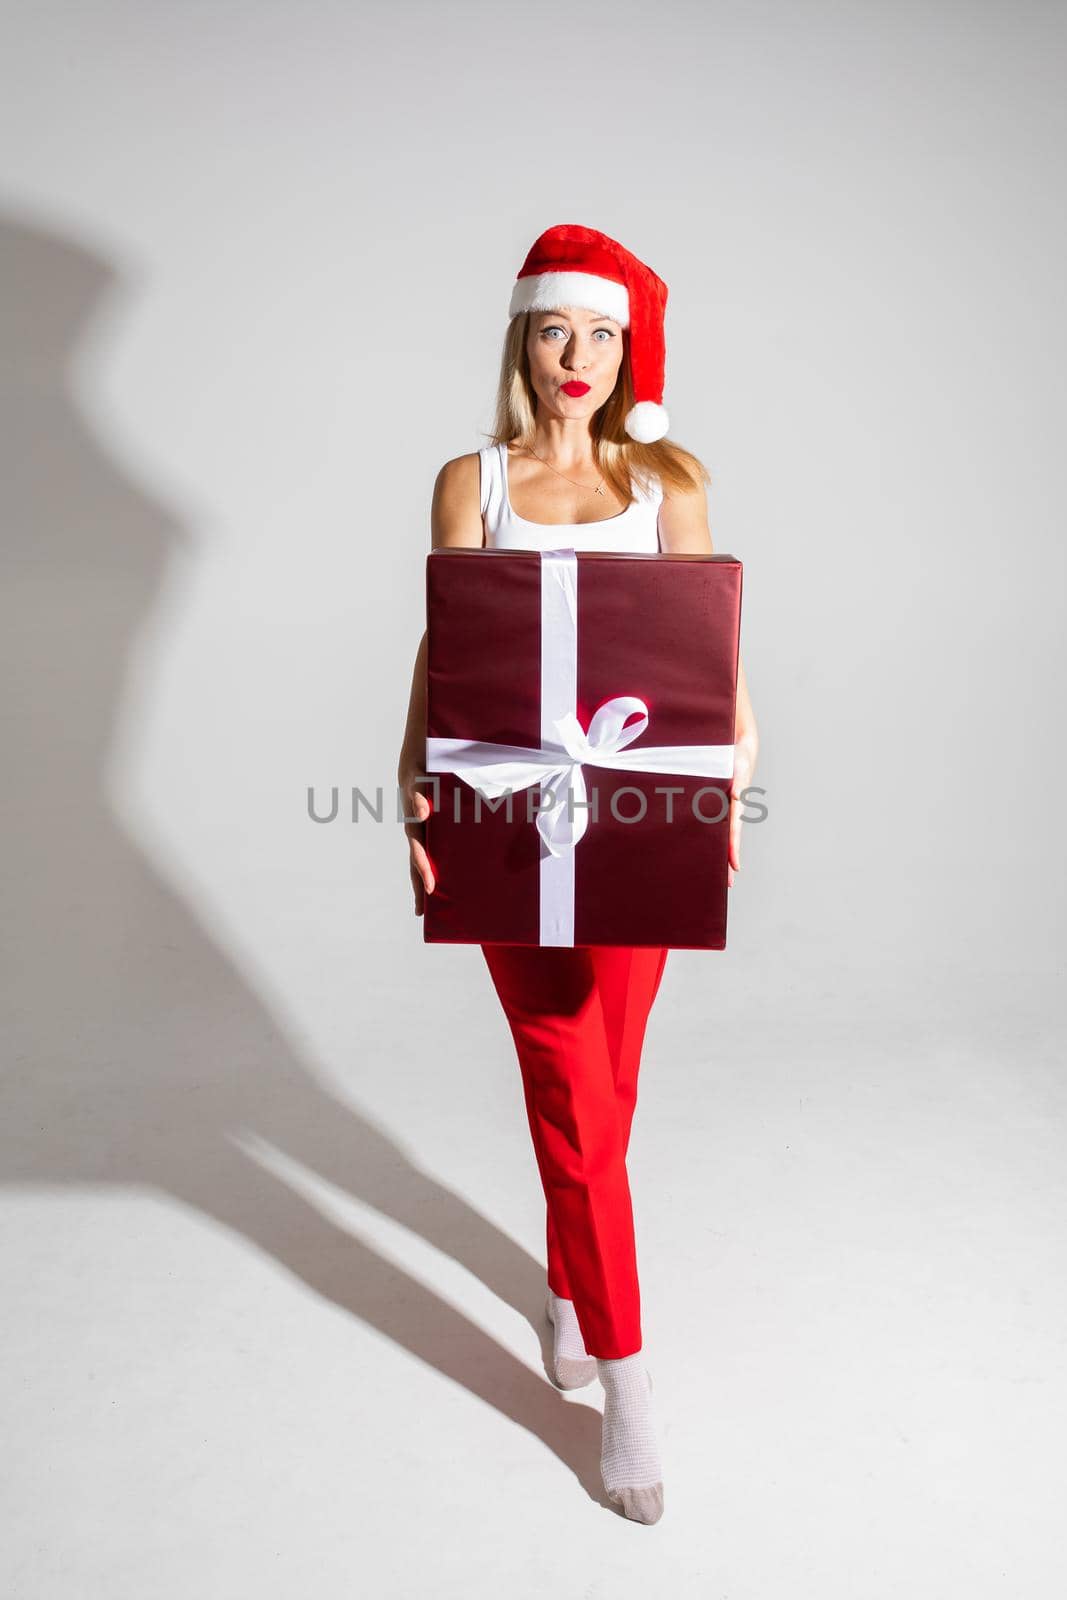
(455, 515)
(683, 518)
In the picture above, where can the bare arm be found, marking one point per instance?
(455, 519)
(683, 527)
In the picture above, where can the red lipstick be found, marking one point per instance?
(574, 387)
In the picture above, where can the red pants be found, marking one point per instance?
(578, 1015)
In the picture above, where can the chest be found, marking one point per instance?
(539, 495)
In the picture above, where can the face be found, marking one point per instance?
(573, 347)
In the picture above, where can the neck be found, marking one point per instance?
(567, 444)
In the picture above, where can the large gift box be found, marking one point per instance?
(579, 752)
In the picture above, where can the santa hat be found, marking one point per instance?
(573, 266)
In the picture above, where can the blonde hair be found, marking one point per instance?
(619, 458)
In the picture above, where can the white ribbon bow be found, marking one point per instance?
(496, 768)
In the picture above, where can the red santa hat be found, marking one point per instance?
(573, 266)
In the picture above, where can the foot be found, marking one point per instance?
(572, 1366)
(630, 1462)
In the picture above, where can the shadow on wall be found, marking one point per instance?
(136, 1053)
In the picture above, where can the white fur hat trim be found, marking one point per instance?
(551, 291)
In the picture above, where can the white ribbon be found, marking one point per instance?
(566, 747)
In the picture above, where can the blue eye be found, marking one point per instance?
(555, 328)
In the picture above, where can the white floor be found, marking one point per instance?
(268, 1330)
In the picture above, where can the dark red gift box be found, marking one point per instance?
(650, 868)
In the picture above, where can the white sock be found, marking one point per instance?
(568, 1340)
(572, 1365)
(630, 1463)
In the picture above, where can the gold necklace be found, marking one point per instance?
(600, 482)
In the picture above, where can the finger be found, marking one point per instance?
(417, 806)
(422, 866)
(418, 887)
(735, 835)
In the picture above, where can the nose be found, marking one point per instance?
(574, 358)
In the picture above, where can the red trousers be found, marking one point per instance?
(578, 1016)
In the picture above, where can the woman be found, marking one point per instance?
(578, 459)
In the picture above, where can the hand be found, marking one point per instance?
(417, 804)
(745, 751)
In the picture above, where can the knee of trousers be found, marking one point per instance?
(583, 1155)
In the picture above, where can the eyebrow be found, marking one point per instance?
(600, 317)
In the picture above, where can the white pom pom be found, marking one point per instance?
(646, 422)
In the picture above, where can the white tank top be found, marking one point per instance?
(633, 528)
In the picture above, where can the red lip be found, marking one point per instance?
(574, 387)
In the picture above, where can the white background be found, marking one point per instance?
(273, 1228)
